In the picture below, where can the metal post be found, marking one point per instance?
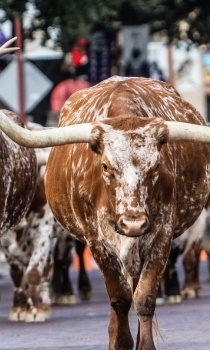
(20, 71)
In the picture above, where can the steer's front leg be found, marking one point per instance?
(146, 291)
(145, 306)
(120, 296)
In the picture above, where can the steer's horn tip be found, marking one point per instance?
(13, 39)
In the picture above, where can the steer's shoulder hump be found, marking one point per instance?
(142, 97)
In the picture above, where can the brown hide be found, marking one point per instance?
(81, 188)
(18, 172)
(128, 200)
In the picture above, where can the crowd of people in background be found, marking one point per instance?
(91, 62)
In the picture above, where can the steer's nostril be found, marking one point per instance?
(146, 226)
(121, 223)
(133, 226)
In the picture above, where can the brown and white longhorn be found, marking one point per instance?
(130, 173)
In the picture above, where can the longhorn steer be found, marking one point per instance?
(39, 254)
(29, 253)
(187, 247)
(62, 287)
(134, 188)
(18, 171)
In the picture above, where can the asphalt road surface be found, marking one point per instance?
(184, 326)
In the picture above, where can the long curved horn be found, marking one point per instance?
(179, 131)
(77, 133)
(5, 49)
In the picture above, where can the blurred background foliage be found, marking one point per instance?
(175, 19)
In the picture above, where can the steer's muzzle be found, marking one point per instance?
(133, 226)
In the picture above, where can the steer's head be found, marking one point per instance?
(130, 154)
(130, 159)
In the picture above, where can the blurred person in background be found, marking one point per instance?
(135, 66)
(100, 53)
(156, 72)
(76, 61)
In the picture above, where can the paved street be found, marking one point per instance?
(84, 326)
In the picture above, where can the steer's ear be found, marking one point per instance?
(162, 132)
(96, 139)
(162, 137)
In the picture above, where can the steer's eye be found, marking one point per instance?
(104, 167)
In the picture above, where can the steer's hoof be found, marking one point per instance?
(198, 292)
(191, 293)
(47, 311)
(38, 314)
(175, 299)
(160, 297)
(85, 294)
(69, 300)
(59, 299)
(159, 301)
(17, 314)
